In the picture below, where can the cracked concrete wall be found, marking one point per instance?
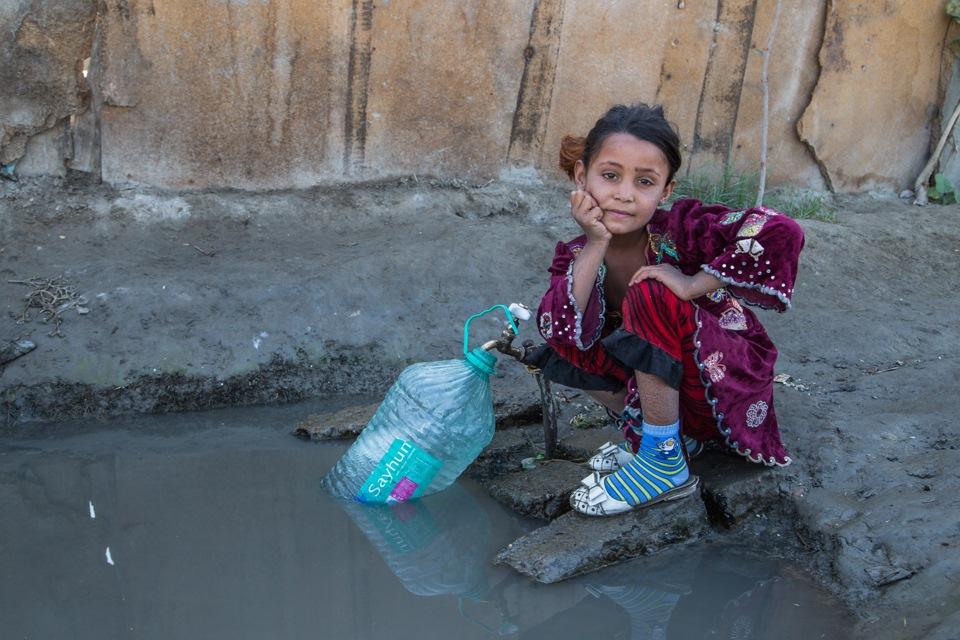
(871, 113)
(792, 75)
(443, 85)
(44, 43)
(214, 93)
(264, 94)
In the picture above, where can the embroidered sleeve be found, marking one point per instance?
(559, 318)
(758, 257)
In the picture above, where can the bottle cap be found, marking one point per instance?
(482, 361)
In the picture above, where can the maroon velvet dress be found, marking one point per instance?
(754, 253)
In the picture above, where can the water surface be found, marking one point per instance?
(213, 525)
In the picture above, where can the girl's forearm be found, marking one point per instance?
(585, 269)
(701, 283)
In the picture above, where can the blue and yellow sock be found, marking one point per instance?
(658, 467)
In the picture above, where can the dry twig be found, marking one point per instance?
(52, 296)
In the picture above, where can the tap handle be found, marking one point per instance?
(520, 311)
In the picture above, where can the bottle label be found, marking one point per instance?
(404, 472)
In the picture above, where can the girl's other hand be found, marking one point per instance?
(589, 216)
(671, 277)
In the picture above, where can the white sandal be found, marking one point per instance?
(591, 499)
(609, 458)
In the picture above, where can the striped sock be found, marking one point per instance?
(658, 467)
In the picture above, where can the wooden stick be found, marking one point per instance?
(920, 186)
(765, 121)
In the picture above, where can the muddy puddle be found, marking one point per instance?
(213, 525)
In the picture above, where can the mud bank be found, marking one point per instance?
(222, 298)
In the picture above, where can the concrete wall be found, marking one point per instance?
(263, 94)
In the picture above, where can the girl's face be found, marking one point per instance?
(628, 179)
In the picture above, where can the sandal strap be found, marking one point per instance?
(608, 450)
(595, 491)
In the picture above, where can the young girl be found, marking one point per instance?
(645, 313)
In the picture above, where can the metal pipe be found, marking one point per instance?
(549, 407)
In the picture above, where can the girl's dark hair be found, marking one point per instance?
(640, 120)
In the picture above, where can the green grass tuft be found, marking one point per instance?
(801, 204)
(738, 190)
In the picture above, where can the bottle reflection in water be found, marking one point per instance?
(435, 546)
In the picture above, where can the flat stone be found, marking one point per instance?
(734, 488)
(349, 422)
(346, 423)
(542, 492)
(13, 349)
(505, 452)
(574, 544)
(580, 444)
(514, 412)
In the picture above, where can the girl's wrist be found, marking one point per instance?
(600, 244)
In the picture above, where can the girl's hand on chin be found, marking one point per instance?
(589, 216)
(669, 275)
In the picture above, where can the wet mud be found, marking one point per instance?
(208, 299)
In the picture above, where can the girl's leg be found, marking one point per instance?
(658, 328)
(612, 400)
(660, 401)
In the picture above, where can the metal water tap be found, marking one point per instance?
(504, 344)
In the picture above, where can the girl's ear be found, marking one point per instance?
(580, 175)
(668, 191)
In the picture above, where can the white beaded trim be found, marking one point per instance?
(712, 401)
(779, 295)
(578, 314)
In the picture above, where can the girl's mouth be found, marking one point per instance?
(621, 214)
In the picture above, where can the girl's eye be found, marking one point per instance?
(609, 175)
(645, 181)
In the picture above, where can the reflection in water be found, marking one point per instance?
(223, 532)
(708, 592)
(437, 545)
(690, 594)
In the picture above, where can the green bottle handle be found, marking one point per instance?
(466, 325)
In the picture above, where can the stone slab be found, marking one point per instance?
(542, 492)
(442, 86)
(574, 544)
(792, 75)
(14, 349)
(733, 488)
(580, 444)
(346, 423)
(506, 451)
(349, 422)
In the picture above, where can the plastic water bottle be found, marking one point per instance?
(434, 421)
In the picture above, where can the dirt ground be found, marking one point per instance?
(196, 300)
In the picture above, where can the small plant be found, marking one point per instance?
(738, 191)
(953, 9)
(943, 191)
(727, 187)
(802, 204)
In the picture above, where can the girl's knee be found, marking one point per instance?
(649, 296)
